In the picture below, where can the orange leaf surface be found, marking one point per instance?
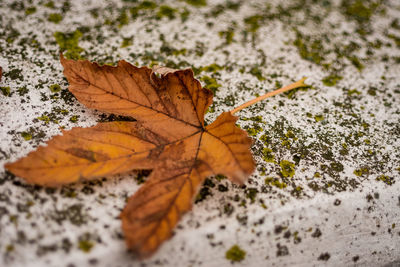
(168, 137)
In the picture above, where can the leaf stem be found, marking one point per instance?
(299, 83)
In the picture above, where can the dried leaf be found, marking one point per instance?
(168, 137)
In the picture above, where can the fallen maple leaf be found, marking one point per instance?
(168, 137)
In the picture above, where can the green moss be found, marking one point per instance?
(22, 90)
(197, 3)
(268, 156)
(291, 135)
(318, 118)
(316, 48)
(85, 245)
(227, 35)
(211, 83)
(395, 38)
(253, 23)
(265, 139)
(311, 50)
(286, 143)
(184, 14)
(297, 191)
(395, 24)
(221, 8)
(69, 42)
(254, 118)
(331, 80)
(33, 134)
(12, 35)
(166, 11)
(287, 168)
(253, 131)
(353, 91)
(14, 74)
(74, 118)
(44, 118)
(74, 214)
(6, 90)
(66, 6)
(251, 194)
(27, 136)
(9, 248)
(211, 68)
(147, 5)
(126, 42)
(336, 167)
(142, 8)
(55, 18)
(386, 179)
(356, 62)
(167, 49)
(256, 71)
(372, 91)
(49, 4)
(228, 209)
(275, 182)
(359, 10)
(361, 171)
(14, 219)
(54, 88)
(123, 19)
(60, 111)
(30, 10)
(235, 254)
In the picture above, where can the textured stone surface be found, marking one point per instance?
(326, 189)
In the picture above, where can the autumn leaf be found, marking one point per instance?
(169, 137)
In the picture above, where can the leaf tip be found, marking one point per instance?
(7, 166)
(12, 167)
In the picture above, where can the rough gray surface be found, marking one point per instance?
(326, 189)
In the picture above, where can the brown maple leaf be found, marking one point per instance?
(169, 137)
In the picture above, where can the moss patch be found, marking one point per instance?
(69, 42)
(386, 179)
(27, 136)
(197, 3)
(287, 168)
(6, 90)
(54, 88)
(235, 254)
(331, 80)
(211, 83)
(85, 245)
(55, 18)
(268, 155)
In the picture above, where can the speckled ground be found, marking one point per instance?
(326, 189)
